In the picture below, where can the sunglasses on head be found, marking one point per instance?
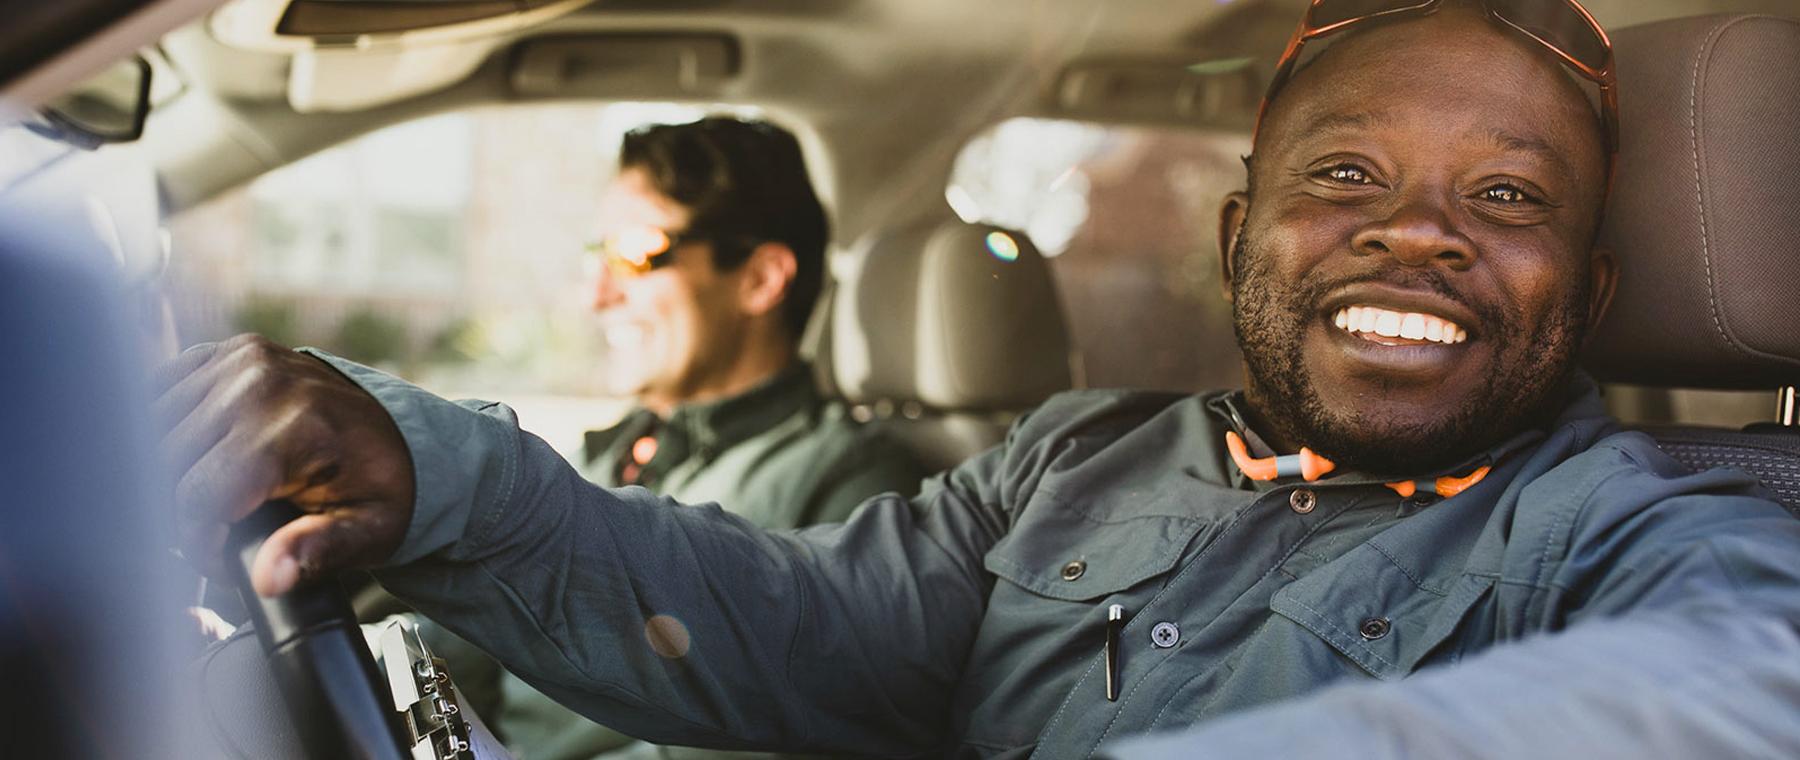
(1562, 26)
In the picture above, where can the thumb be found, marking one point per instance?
(278, 564)
(309, 547)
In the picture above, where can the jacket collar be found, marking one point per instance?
(720, 424)
(1583, 409)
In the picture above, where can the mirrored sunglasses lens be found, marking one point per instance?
(620, 266)
(639, 245)
(1559, 23)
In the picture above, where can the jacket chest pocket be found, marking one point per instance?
(1055, 572)
(1064, 552)
(1379, 615)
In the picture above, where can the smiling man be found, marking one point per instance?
(1408, 276)
(710, 262)
(1416, 480)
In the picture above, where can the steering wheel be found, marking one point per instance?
(340, 705)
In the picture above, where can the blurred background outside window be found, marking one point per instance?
(446, 250)
(1128, 218)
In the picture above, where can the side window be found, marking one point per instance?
(1128, 217)
(446, 250)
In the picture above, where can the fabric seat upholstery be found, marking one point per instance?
(1705, 227)
(946, 334)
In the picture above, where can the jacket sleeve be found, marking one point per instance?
(1670, 603)
(687, 624)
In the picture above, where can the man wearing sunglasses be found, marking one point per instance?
(710, 258)
(1416, 480)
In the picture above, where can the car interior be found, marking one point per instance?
(1022, 193)
(266, 84)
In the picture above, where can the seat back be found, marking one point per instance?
(945, 333)
(1706, 229)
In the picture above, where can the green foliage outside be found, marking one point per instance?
(367, 336)
(272, 318)
(520, 350)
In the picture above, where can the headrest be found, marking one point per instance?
(953, 316)
(1704, 218)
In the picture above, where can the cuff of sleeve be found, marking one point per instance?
(464, 466)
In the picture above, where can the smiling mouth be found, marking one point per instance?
(1398, 328)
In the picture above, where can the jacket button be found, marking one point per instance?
(1165, 635)
(1074, 570)
(1303, 501)
(1374, 628)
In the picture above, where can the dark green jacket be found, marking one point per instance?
(1589, 598)
(779, 455)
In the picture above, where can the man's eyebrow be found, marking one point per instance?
(1342, 121)
(1535, 146)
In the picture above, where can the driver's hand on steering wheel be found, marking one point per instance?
(246, 421)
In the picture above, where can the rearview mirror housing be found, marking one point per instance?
(109, 108)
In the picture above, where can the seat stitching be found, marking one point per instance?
(1712, 291)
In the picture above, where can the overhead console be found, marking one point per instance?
(1222, 93)
(626, 65)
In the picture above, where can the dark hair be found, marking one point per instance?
(743, 183)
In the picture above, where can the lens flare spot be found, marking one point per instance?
(1003, 246)
(667, 637)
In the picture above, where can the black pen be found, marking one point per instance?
(1115, 620)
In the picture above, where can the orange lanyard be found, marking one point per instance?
(1310, 467)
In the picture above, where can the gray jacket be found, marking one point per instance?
(1589, 598)
(786, 458)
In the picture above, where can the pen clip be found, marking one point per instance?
(1115, 622)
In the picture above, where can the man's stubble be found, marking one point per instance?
(1271, 317)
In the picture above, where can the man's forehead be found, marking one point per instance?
(1327, 122)
(631, 201)
(1455, 63)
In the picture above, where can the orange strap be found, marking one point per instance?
(1306, 464)
(1310, 467)
(1444, 486)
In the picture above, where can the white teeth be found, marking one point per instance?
(1412, 326)
(1394, 324)
(1388, 325)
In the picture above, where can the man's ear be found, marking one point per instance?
(1231, 225)
(1603, 274)
(765, 277)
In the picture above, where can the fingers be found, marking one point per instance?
(249, 421)
(171, 372)
(184, 382)
(229, 481)
(191, 438)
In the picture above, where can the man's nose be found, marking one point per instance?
(603, 289)
(1418, 233)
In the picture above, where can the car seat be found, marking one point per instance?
(946, 334)
(1706, 227)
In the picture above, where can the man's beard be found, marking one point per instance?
(1272, 317)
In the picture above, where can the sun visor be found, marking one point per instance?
(293, 25)
(357, 54)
